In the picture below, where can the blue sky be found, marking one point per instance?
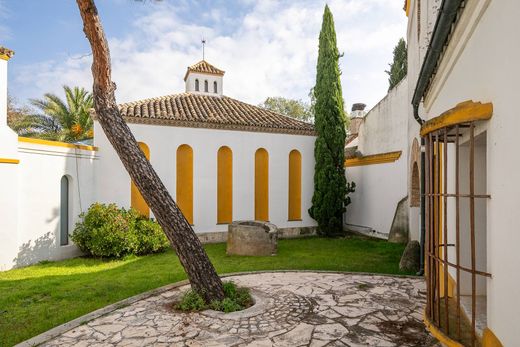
(266, 47)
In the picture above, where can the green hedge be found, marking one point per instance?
(112, 232)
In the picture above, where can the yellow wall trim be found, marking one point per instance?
(9, 161)
(224, 185)
(374, 159)
(184, 185)
(262, 185)
(489, 339)
(56, 143)
(407, 7)
(295, 185)
(466, 111)
(137, 201)
(4, 57)
(439, 335)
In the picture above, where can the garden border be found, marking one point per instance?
(60, 329)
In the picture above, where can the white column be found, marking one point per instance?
(3, 90)
(9, 169)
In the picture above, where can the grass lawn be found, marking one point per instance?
(37, 298)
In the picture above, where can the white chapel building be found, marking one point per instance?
(220, 158)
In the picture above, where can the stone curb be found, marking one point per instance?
(60, 329)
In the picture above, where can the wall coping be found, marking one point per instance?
(56, 143)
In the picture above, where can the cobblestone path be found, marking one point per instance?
(291, 309)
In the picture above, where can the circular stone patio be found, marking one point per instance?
(291, 309)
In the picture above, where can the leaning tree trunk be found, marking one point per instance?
(201, 273)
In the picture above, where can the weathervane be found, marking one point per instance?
(203, 43)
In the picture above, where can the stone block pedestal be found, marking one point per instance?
(254, 238)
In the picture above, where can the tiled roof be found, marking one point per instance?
(204, 67)
(213, 112)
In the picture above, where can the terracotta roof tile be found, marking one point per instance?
(204, 67)
(214, 112)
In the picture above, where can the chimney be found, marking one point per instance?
(5, 55)
(356, 117)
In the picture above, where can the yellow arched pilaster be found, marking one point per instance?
(261, 185)
(224, 185)
(295, 185)
(185, 181)
(136, 199)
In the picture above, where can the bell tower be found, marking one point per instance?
(204, 78)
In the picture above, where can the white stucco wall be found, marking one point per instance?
(379, 187)
(40, 171)
(484, 67)
(30, 199)
(385, 126)
(113, 182)
(30, 175)
(8, 213)
(8, 174)
(33, 191)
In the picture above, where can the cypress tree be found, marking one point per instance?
(330, 185)
(399, 66)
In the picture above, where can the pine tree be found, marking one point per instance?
(330, 185)
(194, 259)
(399, 66)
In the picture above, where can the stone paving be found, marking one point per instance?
(291, 309)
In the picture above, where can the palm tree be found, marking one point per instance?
(39, 126)
(64, 121)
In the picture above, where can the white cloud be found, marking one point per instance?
(5, 33)
(271, 51)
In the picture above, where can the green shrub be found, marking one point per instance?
(150, 237)
(240, 295)
(230, 289)
(191, 301)
(243, 297)
(227, 305)
(112, 232)
(235, 299)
